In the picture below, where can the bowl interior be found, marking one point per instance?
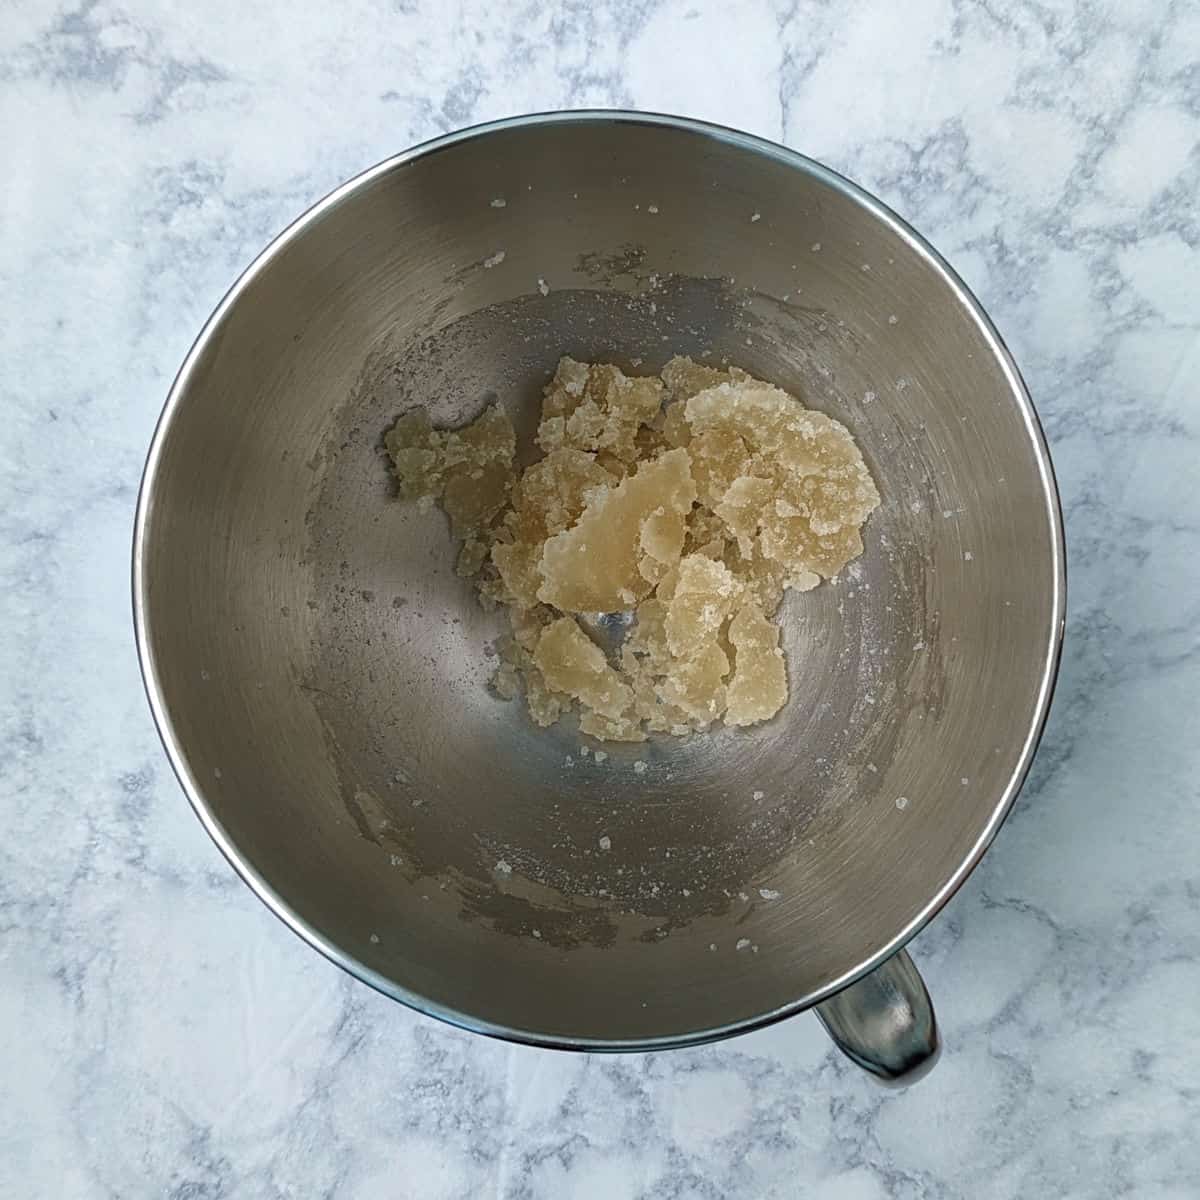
(320, 671)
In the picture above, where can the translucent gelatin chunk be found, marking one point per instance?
(597, 408)
(821, 487)
(547, 499)
(696, 685)
(684, 378)
(571, 662)
(470, 470)
(593, 566)
(706, 591)
(759, 687)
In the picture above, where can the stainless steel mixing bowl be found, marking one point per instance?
(318, 672)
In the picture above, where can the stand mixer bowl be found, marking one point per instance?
(319, 673)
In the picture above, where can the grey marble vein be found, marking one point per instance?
(162, 1035)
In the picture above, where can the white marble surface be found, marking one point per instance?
(162, 1035)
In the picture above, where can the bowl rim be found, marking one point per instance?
(750, 143)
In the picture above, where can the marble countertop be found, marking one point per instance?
(163, 1035)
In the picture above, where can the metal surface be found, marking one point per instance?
(884, 1022)
(318, 672)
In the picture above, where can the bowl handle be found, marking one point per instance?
(884, 1022)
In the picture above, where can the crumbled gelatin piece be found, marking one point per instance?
(506, 681)
(470, 470)
(684, 378)
(694, 501)
(471, 557)
(607, 729)
(704, 595)
(719, 457)
(740, 507)
(597, 408)
(758, 688)
(676, 432)
(662, 534)
(516, 665)
(696, 685)
(544, 703)
(547, 499)
(766, 579)
(415, 450)
(821, 487)
(593, 566)
(571, 662)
